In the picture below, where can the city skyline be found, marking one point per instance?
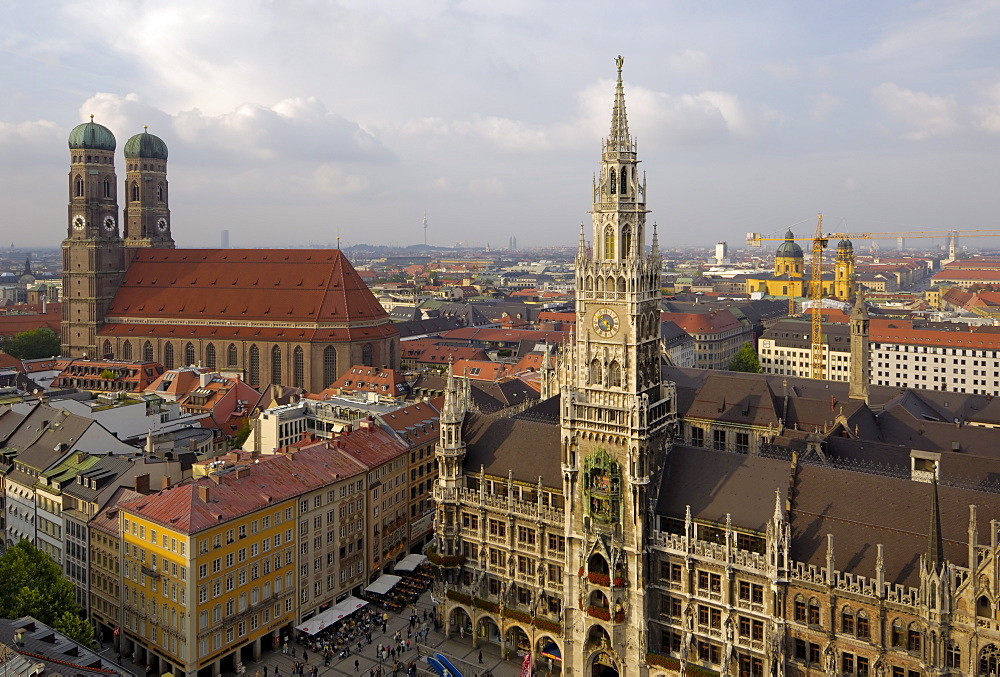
(287, 124)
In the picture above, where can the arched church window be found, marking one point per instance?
(595, 373)
(254, 366)
(298, 368)
(231, 355)
(329, 365)
(135, 192)
(626, 241)
(609, 243)
(159, 192)
(127, 350)
(613, 176)
(276, 365)
(621, 284)
(168, 356)
(989, 660)
(624, 182)
(147, 352)
(210, 356)
(614, 374)
(108, 353)
(107, 188)
(366, 355)
(189, 354)
(79, 187)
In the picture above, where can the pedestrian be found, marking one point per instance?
(480, 657)
(265, 671)
(461, 631)
(357, 664)
(257, 673)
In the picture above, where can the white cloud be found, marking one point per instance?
(822, 106)
(490, 187)
(923, 115)
(692, 61)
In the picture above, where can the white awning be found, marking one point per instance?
(384, 584)
(410, 562)
(327, 618)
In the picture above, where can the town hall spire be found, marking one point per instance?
(619, 139)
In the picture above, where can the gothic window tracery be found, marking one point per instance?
(609, 242)
(79, 186)
(231, 355)
(159, 192)
(147, 352)
(107, 188)
(989, 660)
(168, 356)
(254, 365)
(366, 355)
(626, 241)
(298, 368)
(595, 372)
(108, 353)
(613, 175)
(135, 192)
(329, 365)
(127, 350)
(189, 354)
(276, 365)
(210, 356)
(614, 374)
(624, 181)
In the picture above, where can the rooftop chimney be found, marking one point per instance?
(165, 483)
(203, 493)
(142, 484)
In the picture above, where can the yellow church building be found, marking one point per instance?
(790, 278)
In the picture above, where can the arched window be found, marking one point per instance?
(589, 283)
(127, 350)
(953, 656)
(898, 634)
(135, 192)
(107, 188)
(147, 352)
(913, 637)
(609, 243)
(624, 181)
(621, 284)
(614, 187)
(231, 355)
(159, 192)
(614, 374)
(800, 601)
(329, 365)
(864, 628)
(983, 607)
(254, 366)
(108, 352)
(626, 241)
(847, 620)
(79, 187)
(989, 660)
(168, 356)
(189, 354)
(814, 618)
(298, 368)
(276, 365)
(210, 356)
(595, 373)
(366, 355)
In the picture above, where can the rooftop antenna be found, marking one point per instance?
(338, 239)
(425, 228)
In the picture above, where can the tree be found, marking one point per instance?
(31, 584)
(32, 344)
(746, 360)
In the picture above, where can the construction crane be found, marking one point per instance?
(819, 243)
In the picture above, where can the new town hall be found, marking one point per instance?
(644, 519)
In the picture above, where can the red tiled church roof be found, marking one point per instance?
(261, 285)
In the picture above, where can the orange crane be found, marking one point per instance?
(819, 243)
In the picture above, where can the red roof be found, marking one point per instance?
(702, 323)
(264, 285)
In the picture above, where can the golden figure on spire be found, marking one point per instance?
(619, 61)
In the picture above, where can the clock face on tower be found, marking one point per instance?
(109, 223)
(161, 224)
(606, 322)
(79, 222)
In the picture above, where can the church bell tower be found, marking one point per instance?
(93, 260)
(147, 210)
(615, 418)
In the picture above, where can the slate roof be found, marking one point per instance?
(526, 445)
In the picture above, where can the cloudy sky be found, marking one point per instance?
(289, 121)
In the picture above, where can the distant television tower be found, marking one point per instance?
(425, 228)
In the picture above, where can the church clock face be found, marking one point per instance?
(109, 223)
(161, 224)
(79, 223)
(606, 322)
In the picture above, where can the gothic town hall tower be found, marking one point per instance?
(615, 416)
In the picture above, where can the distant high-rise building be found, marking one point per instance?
(513, 243)
(224, 244)
(900, 243)
(721, 253)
